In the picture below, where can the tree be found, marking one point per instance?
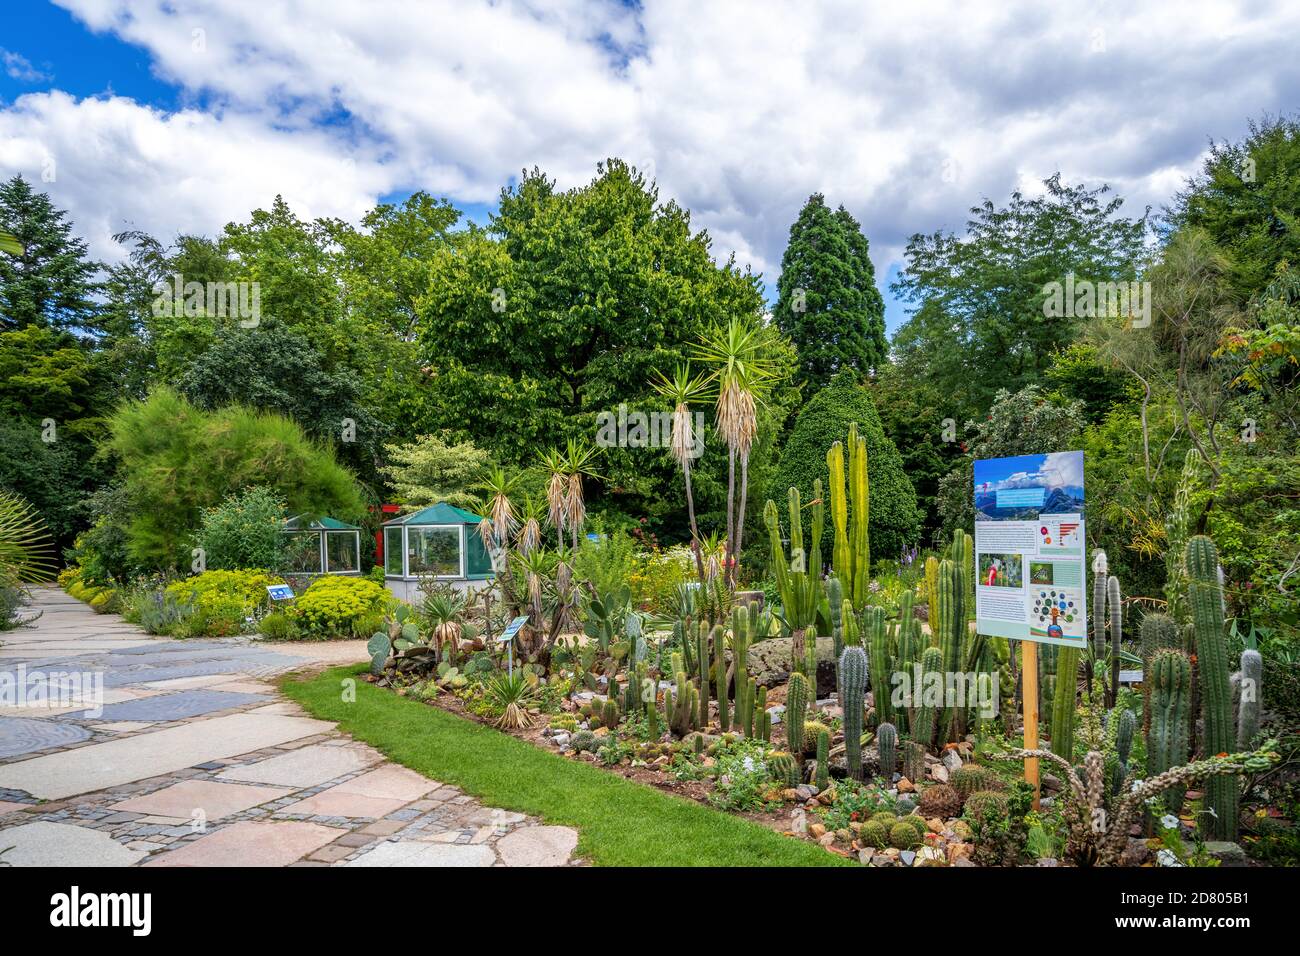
(1247, 200)
(980, 325)
(894, 521)
(827, 300)
(176, 460)
(51, 281)
(432, 469)
(1026, 422)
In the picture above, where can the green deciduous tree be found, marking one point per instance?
(828, 304)
(432, 469)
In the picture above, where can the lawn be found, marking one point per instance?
(621, 823)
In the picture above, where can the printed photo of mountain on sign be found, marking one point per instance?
(1027, 486)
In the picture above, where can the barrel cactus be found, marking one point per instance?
(875, 833)
(903, 836)
(939, 800)
(972, 778)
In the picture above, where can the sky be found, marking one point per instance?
(177, 116)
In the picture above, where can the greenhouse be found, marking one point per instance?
(322, 546)
(440, 541)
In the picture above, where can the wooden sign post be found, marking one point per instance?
(1029, 689)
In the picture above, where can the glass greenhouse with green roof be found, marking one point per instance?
(321, 546)
(440, 541)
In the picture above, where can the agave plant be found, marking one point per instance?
(26, 548)
(510, 695)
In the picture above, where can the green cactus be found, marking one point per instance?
(887, 747)
(703, 664)
(1170, 691)
(853, 689)
(798, 578)
(823, 778)
(1116, 635)
(836, 610)
(1123, 744)
(1066, 685)
(1252, 683)
(379, 647)
(880, 661)
(762, 719)
(784, 766)
(796, 709)
(913, 761)
(1099, 588)
(1205, 597)
(851, 556)
(720, 677)
(852, 635)
(609, 714)
(952, 633)
(924, 709)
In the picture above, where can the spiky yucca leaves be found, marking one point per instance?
(499, 508)
(26, 548)
(578, 458)
(510, 695)
(553, 464)
(682, 389)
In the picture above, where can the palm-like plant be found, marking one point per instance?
(499, 508)
(26, 548)
(743, 374)
(681, 389)
(557, 484)
(532, 514)
(578, 457)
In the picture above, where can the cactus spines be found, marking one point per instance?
(762, 719)
(1066, 687)
(1099, 586)
(1123, 744)
(1158, 630)
(879, 661)
(851, 555)
(609, 716)
(913, 761)
(887, 747)
(796, 709)
(1205, 597)
(720, 676)
(823, 777)
(925, 708)
(1252, 677)
(853, 689)
(835, 598)
(703, 665)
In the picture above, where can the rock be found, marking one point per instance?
(907, 856)
(1227, 853)
(931, 856)
(951, 760)
(790, 794)
(963, 861)
(816, 830)
(864, 857)
(905, 786)
(1136, 852)
(939, 772)
(1047, 861)
(826, 839)
(961, 829)
(935, 825)
(601, 731)
(805, 792)
(537, 846)
(561, 740)
(1049, 782)
(958, 851)
(905, 805)
(845, 835)
(776, 712)
(769, 663)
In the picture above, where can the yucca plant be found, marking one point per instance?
(681, 390)
(498, 509)
(26, 548)
(510, 695)
(578, 457)
(532, 514)
(557, 484)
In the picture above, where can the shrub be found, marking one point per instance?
(244, 531)
(278, 626)
(335, 604)
(895, 520)
(11, 598)
(224, 590)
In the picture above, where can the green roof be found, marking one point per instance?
(441, 513)
(322, 523)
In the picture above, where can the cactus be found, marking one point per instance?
(932, 586)
(1099, 586)
(798, 578)
(852, 638)
(880, 661)
(796, 708)
(720, 677)
(609, 715)
(1116, 635)
(823, 777)
(853, 689)
(1252, 677)
(913, 761)
(680, 708)
(1170, 692)
(1205, 598)
(1123, 744)
(952, 632)
(1158, 631)
(851, 556)
(762, 719)
(703, 664)
(1066, 687)
(925, 709)
(837, 612)
(887, 747)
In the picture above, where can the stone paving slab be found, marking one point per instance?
(425, 854)
(24, 735)
(308, 767)
(98, 766)
(252, 844)
(177, 706)
(215, 800)
(62, 844)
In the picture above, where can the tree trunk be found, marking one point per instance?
(740, 519)
(731, 513)
(690, 511)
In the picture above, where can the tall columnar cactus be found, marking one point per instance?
(762, 719)
(925, 709)
(952, 633)
(852, 636)
(1099, 583)
(835, 607)
(796, 709)
(1116, 608)
(798, 577)
(1066, 688)
(742, 626)
(887, 747)
(703, 665)
(823, 778)
(1252, 677)
(853, 689)
(880, 660)
(962, 555)
(1205, 598)
(913, 761)
(1123, 745)
(851, 556)
(909, 631)
(681, 707)
(932, 586)
(720, 677)
(1158, 631)
(1170, 690)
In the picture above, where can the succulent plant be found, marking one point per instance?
(985, 806)
(823, 778)
(1252, 677)
(796, 709)
(1205, 596)
(811, 730)
(913, 761)
(903, 836)
(887, 748)
(853, 688)
(939, 800)
(917, 823)
(875, 833)
(971, 778)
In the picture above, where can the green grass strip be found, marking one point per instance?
(620, 822)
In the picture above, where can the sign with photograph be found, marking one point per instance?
(1030, 548)
(280, 592)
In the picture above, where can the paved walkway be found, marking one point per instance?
(181, 753)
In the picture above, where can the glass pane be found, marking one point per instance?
(435, 551)
(342, 551)
(393, 551)
(302, 555)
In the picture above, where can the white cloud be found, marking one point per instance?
(907, 114)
